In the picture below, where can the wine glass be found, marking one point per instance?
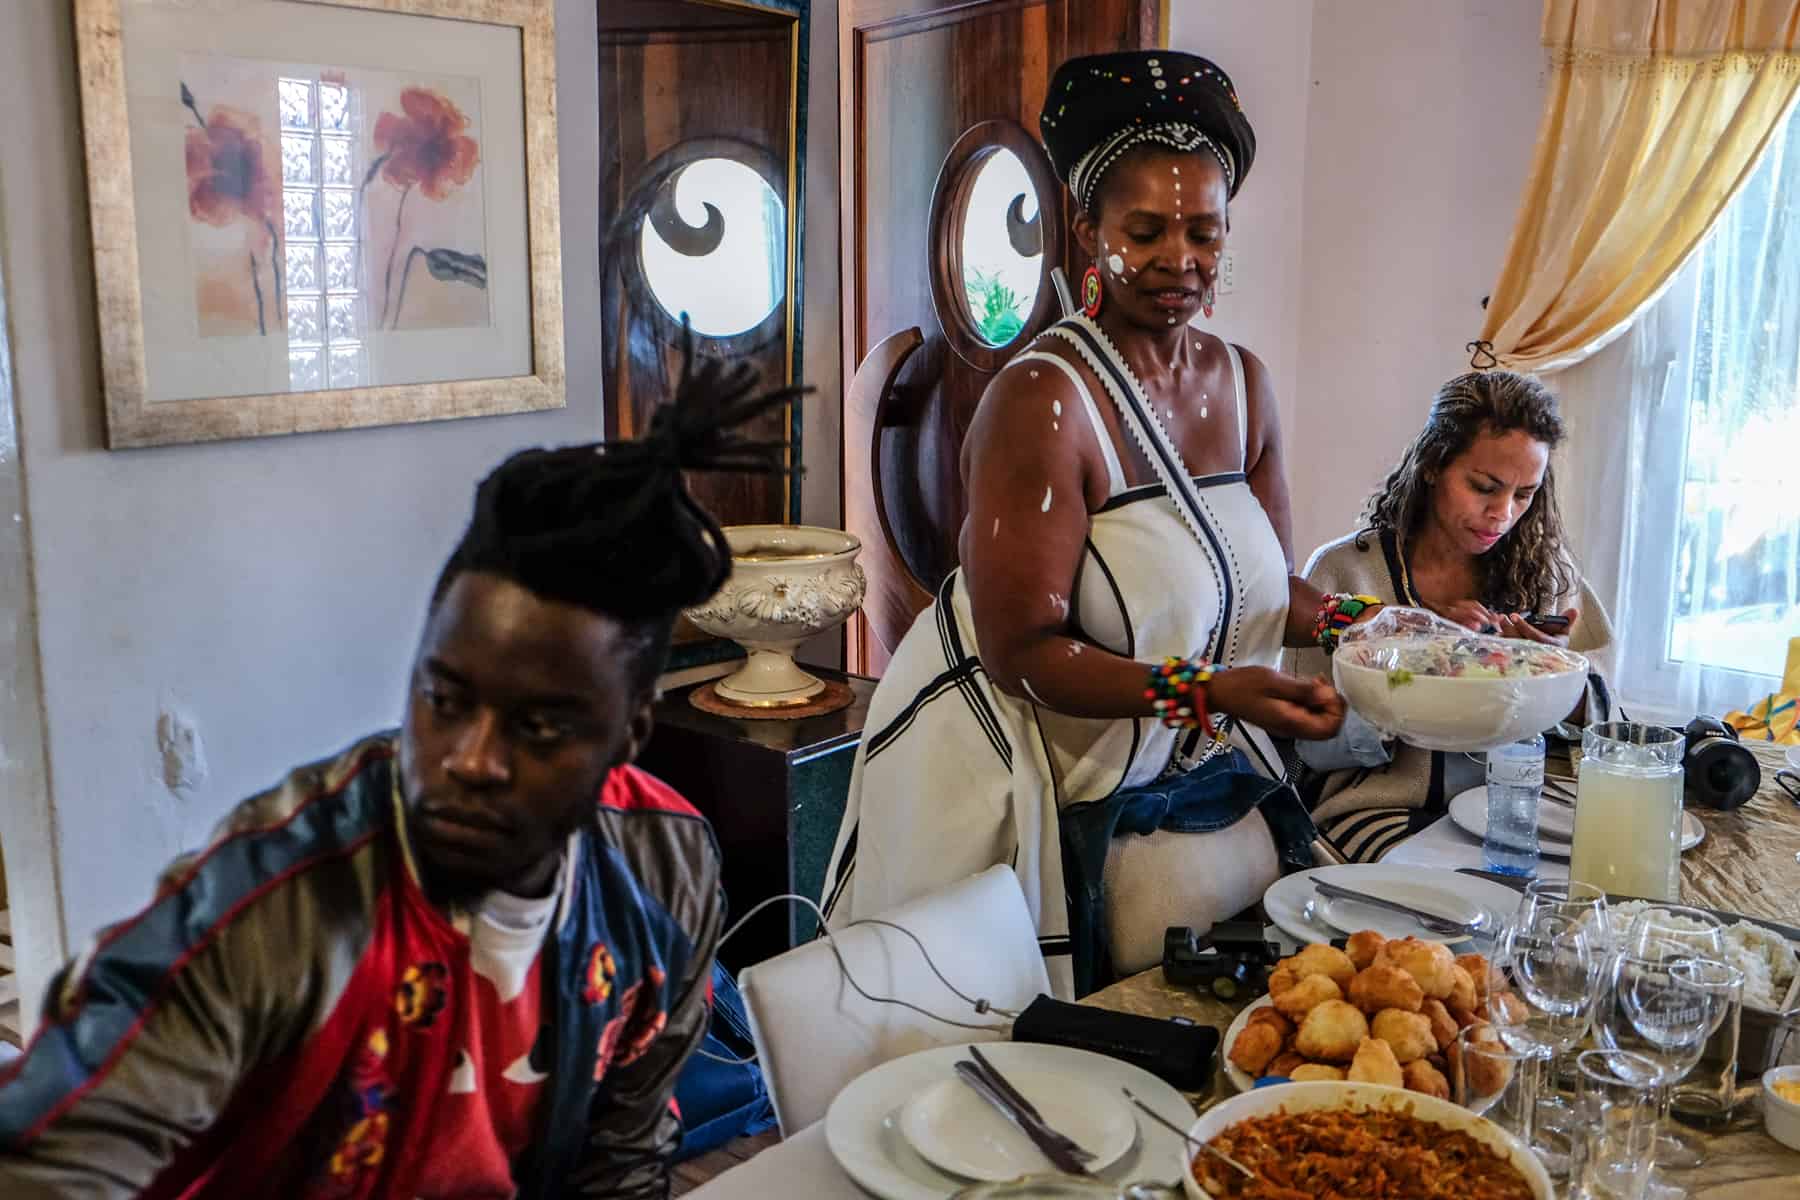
(1541, 995)
(1674, 931)
(1671, 931)
(1587, 904)
(1663, 1009)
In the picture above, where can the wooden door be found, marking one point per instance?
(932, 95)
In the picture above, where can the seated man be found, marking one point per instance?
(466, 960)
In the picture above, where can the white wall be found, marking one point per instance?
(271, 590)
(1393, 138)
(1266, 48)
(1419, 133)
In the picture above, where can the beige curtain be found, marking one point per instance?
(1656, 112)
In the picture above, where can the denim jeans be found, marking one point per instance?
(1213, 796)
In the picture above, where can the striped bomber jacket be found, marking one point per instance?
(272, 1024)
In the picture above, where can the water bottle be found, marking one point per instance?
(1515, 782)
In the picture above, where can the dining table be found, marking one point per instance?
(1749, 863)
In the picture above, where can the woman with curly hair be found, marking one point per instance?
(1466, 526)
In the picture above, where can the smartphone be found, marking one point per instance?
(1548, 624)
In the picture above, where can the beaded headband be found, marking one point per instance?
(1084, 178)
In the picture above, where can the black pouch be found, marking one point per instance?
(1176, 1051)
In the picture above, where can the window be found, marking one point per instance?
(1000, 282)
(724, 261)
(1712, 581)
(324, 298)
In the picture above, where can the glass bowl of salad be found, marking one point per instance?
(1434, 684)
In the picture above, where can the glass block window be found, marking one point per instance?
(326, 317)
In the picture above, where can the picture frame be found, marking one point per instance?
(321, 214)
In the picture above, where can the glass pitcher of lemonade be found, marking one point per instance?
(1628, 811)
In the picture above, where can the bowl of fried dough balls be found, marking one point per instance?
(1380, 1010)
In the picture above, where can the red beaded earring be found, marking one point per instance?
(1090, 292)
(1206, 303)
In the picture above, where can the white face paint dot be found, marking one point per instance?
(1075, 648)
(1116, 265)
(996, 532)
(1034, 374)
(1177, 170)
(1056, 407)
(1172, 319)
(1045, 507)
(1203, 412)
(1056, 426)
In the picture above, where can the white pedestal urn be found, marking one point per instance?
(788, 583)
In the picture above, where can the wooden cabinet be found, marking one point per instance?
(774, 792)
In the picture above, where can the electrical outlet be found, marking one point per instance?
(1227, 273)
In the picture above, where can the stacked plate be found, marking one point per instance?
(911, 1130)
(1556, 822)
(1295, 907)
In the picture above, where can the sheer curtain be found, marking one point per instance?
(1683, 466)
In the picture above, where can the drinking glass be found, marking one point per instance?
(1705, 1095)
(1615, 1137)
(1662, 1012)
(1675, 931)
(1543, 983)
(1491, 1079)
(1628, 810)
(1588, 904)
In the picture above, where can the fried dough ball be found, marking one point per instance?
(1463, 992)
(1320, 959)
(1271, 1016)
(1385, 986)
(1363, 946)
(1443, 1026)
(1409, 1034)
(1477, 967)
(1282, 978)
(1285, 1065)
(1421, 1076)
(1464, 1017)
(1374, 1063)
(1331, 1032)
(1317, 1072)
(1256, 1047)
(1307, 995)
(1429, 963)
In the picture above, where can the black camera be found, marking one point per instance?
(1231, 961)
(1720, 772)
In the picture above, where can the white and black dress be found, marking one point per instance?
(954, 775)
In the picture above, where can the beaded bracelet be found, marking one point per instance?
(1177, 692)
(1337, 612)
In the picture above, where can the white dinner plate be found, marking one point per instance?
(863, 1125)
(1469, 811)
(1298, 911)
(958, 1131)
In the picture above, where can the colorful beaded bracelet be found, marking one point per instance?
(1177, 692)
(1337, 612)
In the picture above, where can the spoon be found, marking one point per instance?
(1223, 1157)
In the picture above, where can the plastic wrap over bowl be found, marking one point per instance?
(1433, 684)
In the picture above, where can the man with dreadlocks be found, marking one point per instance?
(464, 960)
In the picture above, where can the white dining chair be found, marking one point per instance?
(814, 1033)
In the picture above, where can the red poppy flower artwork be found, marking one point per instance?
(227, 177)
(426, 147)
(229, 181)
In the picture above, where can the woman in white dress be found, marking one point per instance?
(1126, 506)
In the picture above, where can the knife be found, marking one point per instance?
(1054, 1146)
(1433, 923)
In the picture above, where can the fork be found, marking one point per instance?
(1433, 923)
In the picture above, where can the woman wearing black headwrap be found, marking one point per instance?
(1127, 505)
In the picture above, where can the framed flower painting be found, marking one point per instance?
(321, 214)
